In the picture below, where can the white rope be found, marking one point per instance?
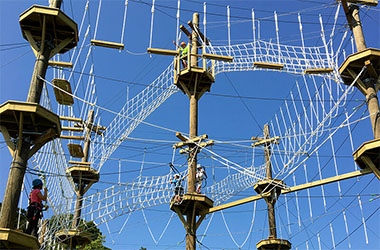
(229, 30)
(151, 25)
(124, 21)
(177, 26)
(250, 228)
(97, 18)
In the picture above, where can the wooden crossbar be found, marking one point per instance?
(268, 65)
(107, 44)
(61, 64)
(166, 52)
(73, 119)
(218, 57)
(318, 71)
(72, 137)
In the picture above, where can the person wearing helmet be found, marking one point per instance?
(178, 188)
(34, 211)
(184, 49)
(200, 175)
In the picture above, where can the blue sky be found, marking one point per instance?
(236, 109)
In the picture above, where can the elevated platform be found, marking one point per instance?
(40, 22)
(369, 150)
(267, 185)
(36, 120)
(12, 239)
(353, 64)
(200, 201)
(273, 244)
(73, 237)
(194, 79)
(84, 174)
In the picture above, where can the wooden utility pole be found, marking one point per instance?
(21, 155)
(272, 187)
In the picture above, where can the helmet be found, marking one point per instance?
(183, 43)
(176, 175)
(36, 182)
(199, 166)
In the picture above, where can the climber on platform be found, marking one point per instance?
(200, 175)
(184, 49)
(35, 208)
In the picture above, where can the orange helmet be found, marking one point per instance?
(183, 44)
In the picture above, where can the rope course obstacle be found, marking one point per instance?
(315, 193)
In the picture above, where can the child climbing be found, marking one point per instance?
(199, 177)
(35, 208)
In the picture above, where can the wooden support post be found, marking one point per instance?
(81, 187)
(353, 18)
(21, 156)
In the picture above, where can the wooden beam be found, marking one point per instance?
(176, 209)
(268, 65)
(41, 141)
(8, 140)
(72, 129)
(190, 141)
(61, 64)
(359, 84)
(319, 71)
(184, 30)
(265, 141)
(289, 190)
(107, 44)
(80, 163)
(181, 137)
(73, 119)
(372, 166)
(166, 52)
(205, 40)
(218, 57)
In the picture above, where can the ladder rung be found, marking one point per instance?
(218, 57)
(166, 52)
(61, 64)
(71, 137)
(106, 44)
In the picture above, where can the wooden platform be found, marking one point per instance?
(84, 174)
(267, 185)
(63, 97)
(12, 239)
(36, 120)
(73, 237)
(367, 156)
(38, 22)
(273, 244)
(194, 79)
(354, 63)
(200, 201)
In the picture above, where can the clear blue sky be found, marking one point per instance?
(222, 114)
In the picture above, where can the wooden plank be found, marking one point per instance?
(366, 146)
(359, 84)
(318, 71)
(218, 57)
(72, 129)
(107, 44)
(268, 65)
(181, 137)
(290, 189)
(73, 119)
(8, 140)
(80, 163)
(60, 64)
(165, 52)
(75, 150)
(62, 92)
